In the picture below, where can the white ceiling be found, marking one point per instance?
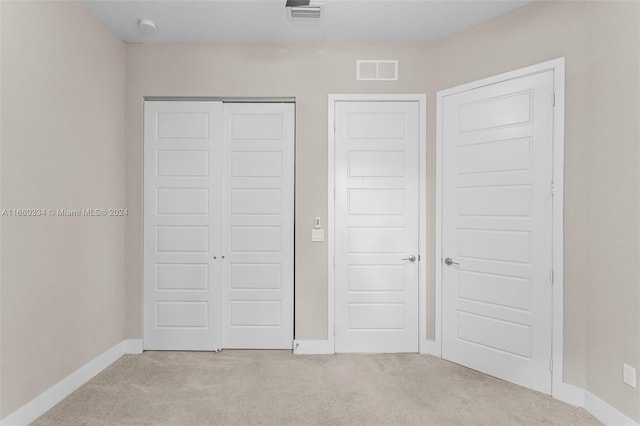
(266, 21)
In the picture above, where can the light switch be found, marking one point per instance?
(317, 235)
(629, 375)
(316, 223)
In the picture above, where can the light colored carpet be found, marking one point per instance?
(279, 388)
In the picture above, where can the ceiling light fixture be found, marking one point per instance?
(147, 26)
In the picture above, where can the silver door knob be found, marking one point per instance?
(449, 261)
(411, 258)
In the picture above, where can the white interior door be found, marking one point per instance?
(376, 226)
(182, 198)
(258, 222)
(218, 225)
(496, 229)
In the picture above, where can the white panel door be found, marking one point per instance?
(258, 226)
(376, 227)
(182, 198)
(496, 229)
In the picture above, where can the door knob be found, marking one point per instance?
(449, 261)
(411, 258)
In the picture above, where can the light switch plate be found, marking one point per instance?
(629, 375)
(317, 235)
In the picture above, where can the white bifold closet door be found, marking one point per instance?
(182, 233)
(218, 225)
(258, 226)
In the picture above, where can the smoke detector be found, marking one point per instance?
(147, 26)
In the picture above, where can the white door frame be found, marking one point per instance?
(422, 210)
(559, 389)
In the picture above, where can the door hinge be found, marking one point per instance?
(553, 102)
(552, 277)
(418, 258)
(551, 365)
(553, 189)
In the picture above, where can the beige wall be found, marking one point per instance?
(62, 82)
(613, 325)
(602, 199)
(530, 35)
(308, 72)
(601, 43)
(63, 90)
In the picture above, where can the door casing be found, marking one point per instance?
(425, 346)
(559, 389)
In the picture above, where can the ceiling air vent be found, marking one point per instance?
(305, 12)
(294, 3)
(377, 70)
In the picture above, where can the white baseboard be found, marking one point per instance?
(605, 412)
(56, 393)
(598, 408)
(323, 347)
(133, 346)
(570, 394)
(313, 347)
(430, 347)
